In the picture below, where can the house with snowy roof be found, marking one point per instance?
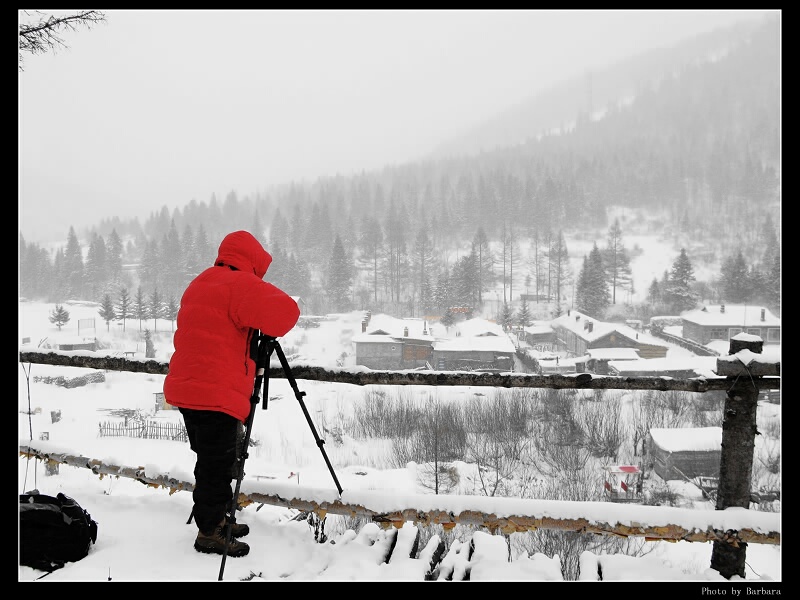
(685, 453)
(720, 322)
(576, 333)
(388, 343)
(596, 360)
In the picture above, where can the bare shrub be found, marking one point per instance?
(438, 440)
(383, 417)
(499, 442)
(601, 423)
(661, 495)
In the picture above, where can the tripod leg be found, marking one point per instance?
(299, 395)
(265, 347)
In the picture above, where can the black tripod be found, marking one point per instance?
(266, 346)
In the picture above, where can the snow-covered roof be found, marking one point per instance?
(613, 353)
(488, 343)
(692, 438)
(575, 321)
(704, 366)
(733, 315)
(383, 324)
(538, 329)
(476, 327)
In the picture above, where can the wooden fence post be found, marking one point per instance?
(738, 445)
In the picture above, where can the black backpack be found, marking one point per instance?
(53, 531)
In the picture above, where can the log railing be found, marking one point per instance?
(80, 358)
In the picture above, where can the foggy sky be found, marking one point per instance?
(159, 107)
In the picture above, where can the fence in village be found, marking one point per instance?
(150, 430)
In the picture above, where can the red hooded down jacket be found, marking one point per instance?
(211, 368)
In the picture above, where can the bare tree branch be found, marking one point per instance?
(44, 35)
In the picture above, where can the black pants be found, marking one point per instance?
(212, 437)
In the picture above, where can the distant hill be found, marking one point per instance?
(591, 94)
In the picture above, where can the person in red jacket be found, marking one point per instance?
(212, 373)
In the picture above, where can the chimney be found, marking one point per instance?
(424, 328)
(567, 312)
(763, 312)
(722, 308)
(364, 326)
(577, 318)
(405, 332)
(591, 326)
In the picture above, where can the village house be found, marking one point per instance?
(576, 333)
(721, 322)
(387, 343)
(596, 360)
(676, 455)
(678, 368)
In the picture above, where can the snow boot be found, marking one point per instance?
(214, 542)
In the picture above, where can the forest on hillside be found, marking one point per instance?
(698, 149)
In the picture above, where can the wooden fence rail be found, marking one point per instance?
(83, 359)
(643, 521)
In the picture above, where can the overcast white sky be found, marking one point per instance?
(158, 107)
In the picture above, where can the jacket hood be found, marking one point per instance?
(242, 250)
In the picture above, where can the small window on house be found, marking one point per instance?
(718, 333)
(734, 331)
(774, 335)
(754, 331)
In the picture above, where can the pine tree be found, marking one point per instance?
(422, 265)
(73, 268)
(561, 272)
(509, 259)
(107, 310)
(654, 293)
(480, 245)
(678, 293)
(592, 295)
(140, 310)
(507, 316)
(537, 259)
(114, 256)
(59, 316)
(171, 273)
(524, 315)
(171, 311)
(769, 241)
(448, 318)
(735, 279)
(96, 269)
(772, 285)
(124, 306)
(464, 281)
(340, 277)
(371, 244)
(149, 267)
(616, 261)
(441, 292)
(204, 252)
(155, 308)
